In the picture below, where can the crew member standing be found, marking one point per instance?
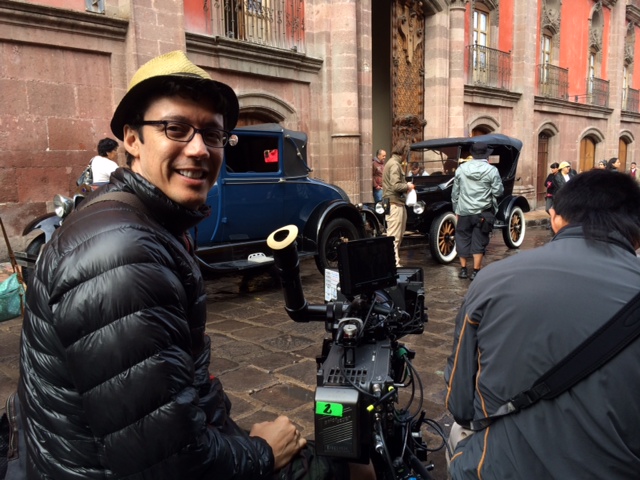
(377, 167)
(476, 188)
(394, 188)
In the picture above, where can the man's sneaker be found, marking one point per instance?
(463, 273)
(473, 274)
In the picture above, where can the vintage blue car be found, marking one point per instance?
(264, 184)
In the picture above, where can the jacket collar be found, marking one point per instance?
(175, 218)
(612, 238)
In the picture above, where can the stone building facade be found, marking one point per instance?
(356, 75)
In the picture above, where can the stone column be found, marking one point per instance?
(436, 73)
(457, 11)
(615, 66)
(523, 77)
(344, 112)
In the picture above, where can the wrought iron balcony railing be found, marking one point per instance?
(488, 67)
(553, 81)
(631, 100)
(274, 23)
(597, 93)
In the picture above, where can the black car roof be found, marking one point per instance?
(492, 139)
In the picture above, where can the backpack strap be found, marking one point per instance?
(604, 344)
(122, 197)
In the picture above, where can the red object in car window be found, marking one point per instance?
(271, 156)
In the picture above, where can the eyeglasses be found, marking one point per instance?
(184, 132)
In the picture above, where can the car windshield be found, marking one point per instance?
(439, 162)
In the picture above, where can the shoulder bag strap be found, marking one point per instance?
(609, 340)
(122, 197)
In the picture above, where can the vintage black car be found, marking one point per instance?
(431, 166)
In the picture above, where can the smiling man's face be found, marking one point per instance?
(185, 172)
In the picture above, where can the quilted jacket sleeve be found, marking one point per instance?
(128, 364)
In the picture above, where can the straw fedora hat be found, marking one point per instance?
(174, 65)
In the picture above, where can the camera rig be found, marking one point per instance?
(363, 370)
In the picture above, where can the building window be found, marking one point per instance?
(480, 44)
(274, 23)
(591, 74)
(546, 58)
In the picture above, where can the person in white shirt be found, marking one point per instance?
(103, 164)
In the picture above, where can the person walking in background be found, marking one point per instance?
(376, 174)
(613, 164)
(476, 188)
(551, 188)
(394, 188)
(103, 164)
(526, 313)
(633, 171)
(563, 175)
(602, 164)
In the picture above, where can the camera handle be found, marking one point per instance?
(285, 256)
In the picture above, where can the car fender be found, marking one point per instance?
(369, 217)
(327, 211)
(437, 208)
(47, 223)
(507, 204)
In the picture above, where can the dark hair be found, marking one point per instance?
(196, 89)
(106, 145)
(601, 201)
(610, 163)
(554, 165)
(400, 148)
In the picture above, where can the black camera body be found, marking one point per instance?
(363, 366)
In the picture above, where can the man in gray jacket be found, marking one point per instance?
(476, 188)
(522, 316)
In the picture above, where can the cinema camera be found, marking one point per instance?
(363, 368)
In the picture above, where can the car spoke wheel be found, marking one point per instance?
(513, 233)
(330, 238)
(442, 238)
(33, 250)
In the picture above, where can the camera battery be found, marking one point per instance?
(337, 429)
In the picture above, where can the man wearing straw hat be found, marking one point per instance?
(115, 379)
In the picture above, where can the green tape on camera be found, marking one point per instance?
(329, 409)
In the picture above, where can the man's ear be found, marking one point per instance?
(131, 141)
(557, 221)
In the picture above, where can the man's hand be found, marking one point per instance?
(283, 437)
(410, 186)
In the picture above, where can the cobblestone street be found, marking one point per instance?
(266, 361)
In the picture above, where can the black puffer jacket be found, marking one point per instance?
(114, 357)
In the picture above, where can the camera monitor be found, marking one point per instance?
(366, 265)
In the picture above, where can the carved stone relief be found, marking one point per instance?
(408, 71)
(629, 44)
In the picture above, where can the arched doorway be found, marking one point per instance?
(543, 166)
(480, 130)
(622, 153)
(587, 153)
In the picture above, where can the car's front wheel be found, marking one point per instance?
(330, 238)
(513, 233)
(442, 238)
